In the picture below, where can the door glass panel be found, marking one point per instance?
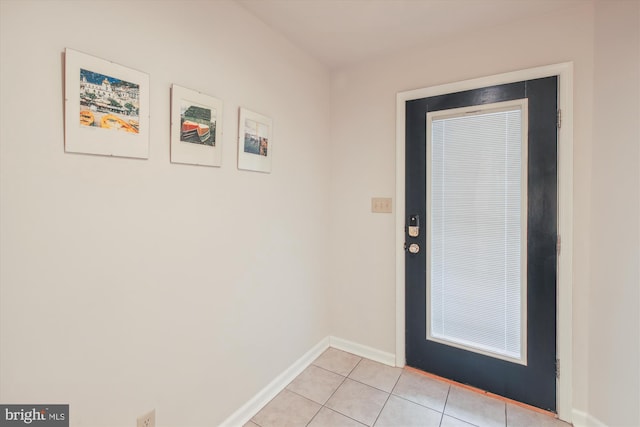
(476, 203)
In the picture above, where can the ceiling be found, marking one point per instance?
(342, 32)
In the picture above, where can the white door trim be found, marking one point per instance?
(565, 210)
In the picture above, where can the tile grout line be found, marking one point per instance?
(418, 403)
(482, 392)
(310, 400)
(373, 387)
(297, 394)
(321, 405)
(252, 419)
(344, 378)
(381, 409)
(391, 392)
(422, 404)
(314, 415)
(343, 381)
(445, 406)
(340, 413)
(324, 405)
(324, 369)
(356, 365)
(304, 397)
(463, 421)
(505, 415)
(359, 382)
(386, 401)
(334, 410)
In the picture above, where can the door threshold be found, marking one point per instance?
(482, 392)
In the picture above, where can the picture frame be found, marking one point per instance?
(106, 107)
(255, 141)
(196, 128)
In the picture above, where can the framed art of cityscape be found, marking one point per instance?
(255, 142)
(106, 107)
(196, 128)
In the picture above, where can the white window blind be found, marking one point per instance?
(476, 201)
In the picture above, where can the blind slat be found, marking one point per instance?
(476, 231)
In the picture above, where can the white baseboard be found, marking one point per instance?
(582, 419)
(363, 351)
(264, 396)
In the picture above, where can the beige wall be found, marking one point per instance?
(614, 348)
(602, 40)
(134, 284)
(363, 158)
(127, 285)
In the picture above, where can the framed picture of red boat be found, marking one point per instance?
(255, 142)
(196, 128)
(106, 107)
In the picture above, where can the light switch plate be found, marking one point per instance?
(381, 204)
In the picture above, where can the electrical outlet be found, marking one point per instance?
(147, 420)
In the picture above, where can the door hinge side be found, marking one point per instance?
(559, 118)
(557, 368)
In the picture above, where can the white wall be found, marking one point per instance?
(363, 157)
(127, 285)
(614, 347)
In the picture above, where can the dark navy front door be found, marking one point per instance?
(535, 382)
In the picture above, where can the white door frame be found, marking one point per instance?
(564, 71)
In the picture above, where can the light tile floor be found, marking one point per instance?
(340, 389)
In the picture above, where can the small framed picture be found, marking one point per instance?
(255, 142)
(106, 107)
(196, 128)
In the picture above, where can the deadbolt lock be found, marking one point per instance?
(413, 227)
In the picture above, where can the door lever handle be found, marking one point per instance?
(413, 248)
